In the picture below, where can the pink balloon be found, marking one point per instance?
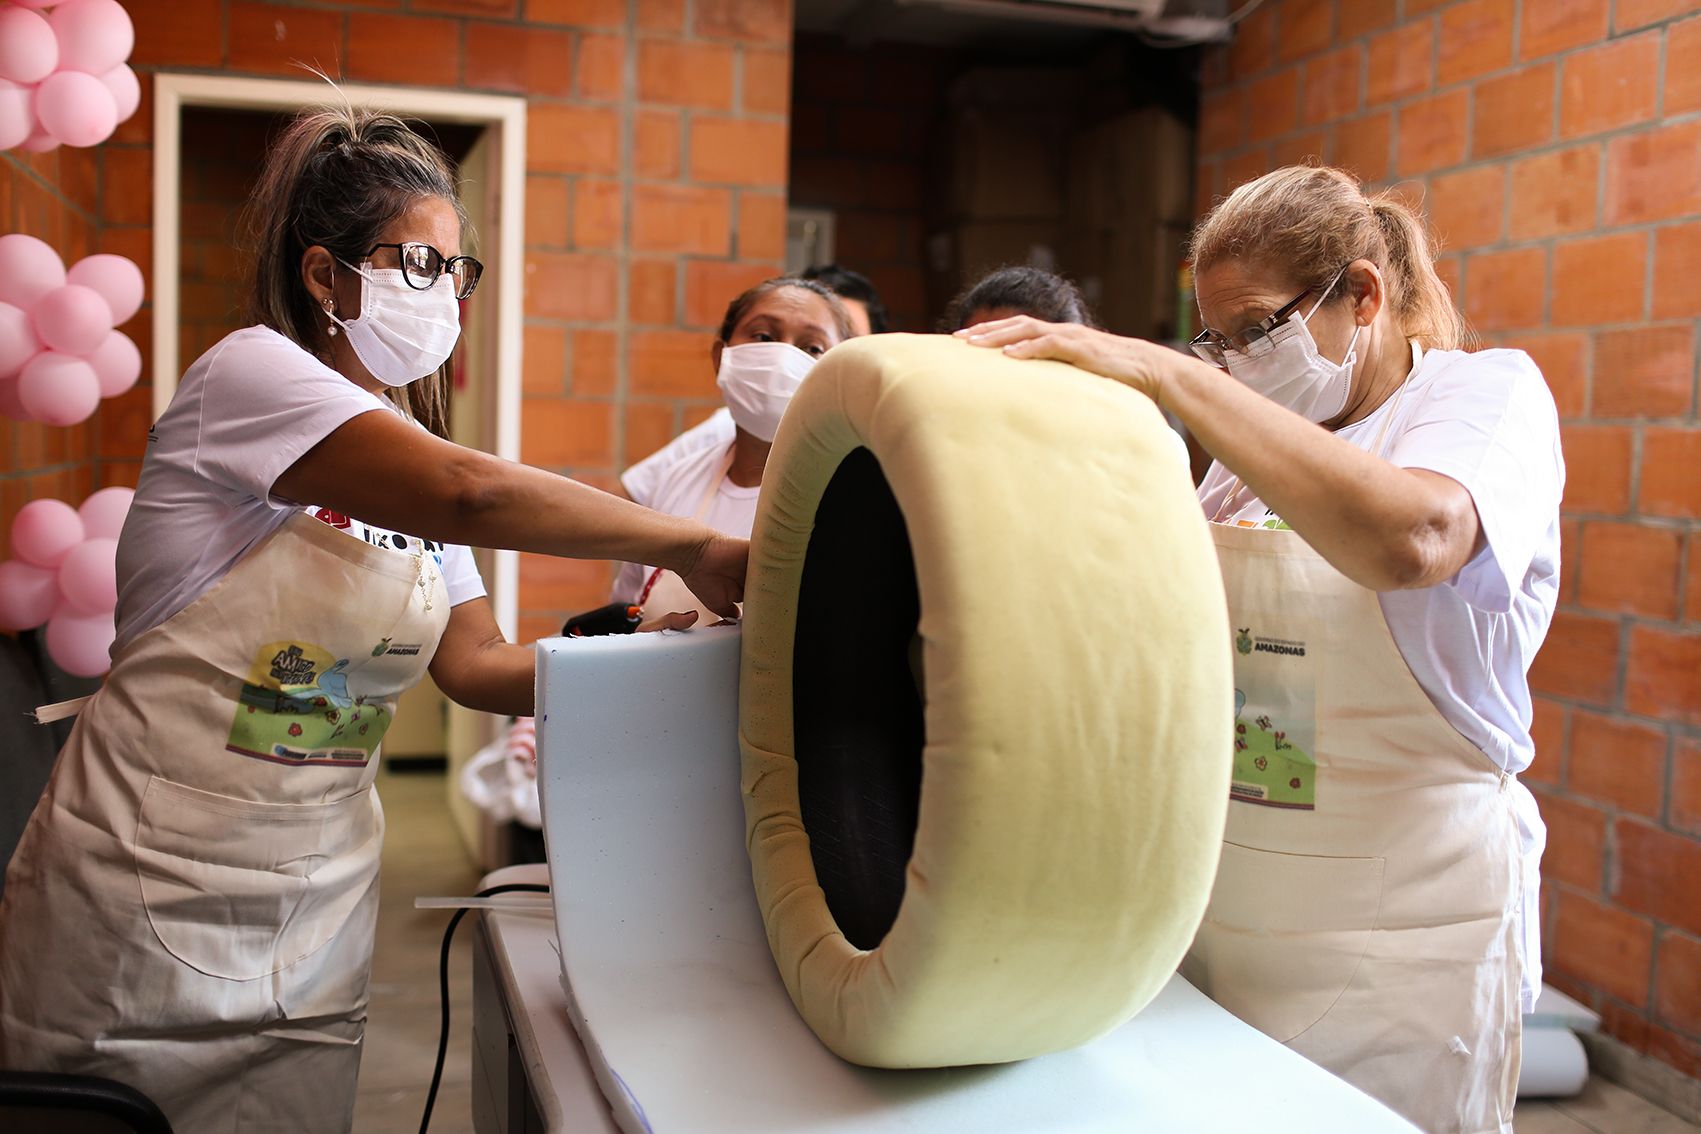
(40, 142)
(117, 364)
(44, 532)
(76, 108)
(94, 35)
(29, 269)
(18, 341)
(28, 595)
(88, 578)
(81, 644)
(117, 278)
(103, 512)
(58, 389)
(28, 49)
(126, 89)
(73, 319)
(11, 405)
(35, 3)
(17, 113)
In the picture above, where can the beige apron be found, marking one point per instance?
(665, 592)
(1363, 910)
(191, 908)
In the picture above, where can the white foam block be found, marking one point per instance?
(1555, 1065)
(674, 992)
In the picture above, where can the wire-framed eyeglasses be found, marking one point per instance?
(1254, 340)
(1250, 341)
(421, 265)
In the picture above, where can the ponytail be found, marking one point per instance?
(1422, 306)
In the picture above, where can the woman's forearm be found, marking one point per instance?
(387, 472)
(498, 500)
(1382, 526)
(475, 666)
(501, 680)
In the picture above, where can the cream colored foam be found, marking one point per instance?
(1078, 705)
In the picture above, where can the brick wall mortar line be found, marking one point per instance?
(460, 52)
(41, 470)
(1600, 138)
(1628, 621)
(623, 285)
(57, 192)
(1668, 769)
(1547, 283)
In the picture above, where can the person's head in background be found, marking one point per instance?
(867, 313)
(1018, 291)
(767, 342)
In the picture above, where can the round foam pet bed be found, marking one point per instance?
(985, 704)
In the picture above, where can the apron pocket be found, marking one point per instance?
(1284, 934)
(240, 889)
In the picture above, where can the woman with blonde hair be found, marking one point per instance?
(1386, 512)
(191, 908)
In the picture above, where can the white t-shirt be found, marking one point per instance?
(675, 479)
(1488, 421)
(242, 415)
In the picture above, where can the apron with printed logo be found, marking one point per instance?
(191, 909)
(1363, 912)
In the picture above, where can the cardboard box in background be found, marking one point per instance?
(1128, 210)
(1006, 165)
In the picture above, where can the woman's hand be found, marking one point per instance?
(717, 576)
(1136, 363)
(672, 620)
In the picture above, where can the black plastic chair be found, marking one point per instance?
(39, 1102)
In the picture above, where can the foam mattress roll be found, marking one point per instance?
(985, 704)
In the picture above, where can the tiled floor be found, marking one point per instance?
(423, 855)
(1602, 1108)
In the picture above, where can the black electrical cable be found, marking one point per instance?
(443, 989)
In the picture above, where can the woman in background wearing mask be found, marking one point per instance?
(1386, 513)
(768, 341)
(191, 909)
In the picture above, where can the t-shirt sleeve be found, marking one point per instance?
(643, 478)
(1489, 422)
(264, 403)
(460, 574)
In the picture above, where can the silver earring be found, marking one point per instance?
(332, 329)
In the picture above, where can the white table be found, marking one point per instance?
(671, 1002)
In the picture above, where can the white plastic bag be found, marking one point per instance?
(501, 780)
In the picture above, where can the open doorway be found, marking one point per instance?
(954, 139)
(211, 137)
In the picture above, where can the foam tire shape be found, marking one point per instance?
(985, 704)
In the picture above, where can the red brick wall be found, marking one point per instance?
(863, 124)
(1557, 147)
(222, 152)
(656, 188)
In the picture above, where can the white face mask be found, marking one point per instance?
(402, 333)
(757, 381)
(1293, 372)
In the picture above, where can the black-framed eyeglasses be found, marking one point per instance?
(422, 264)
(1251, 341)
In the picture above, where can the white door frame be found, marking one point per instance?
(505, 116)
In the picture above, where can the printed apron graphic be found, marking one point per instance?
(1275, 715)
(295, 708)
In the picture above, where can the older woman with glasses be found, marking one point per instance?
(191, 909)
(1386, 513)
